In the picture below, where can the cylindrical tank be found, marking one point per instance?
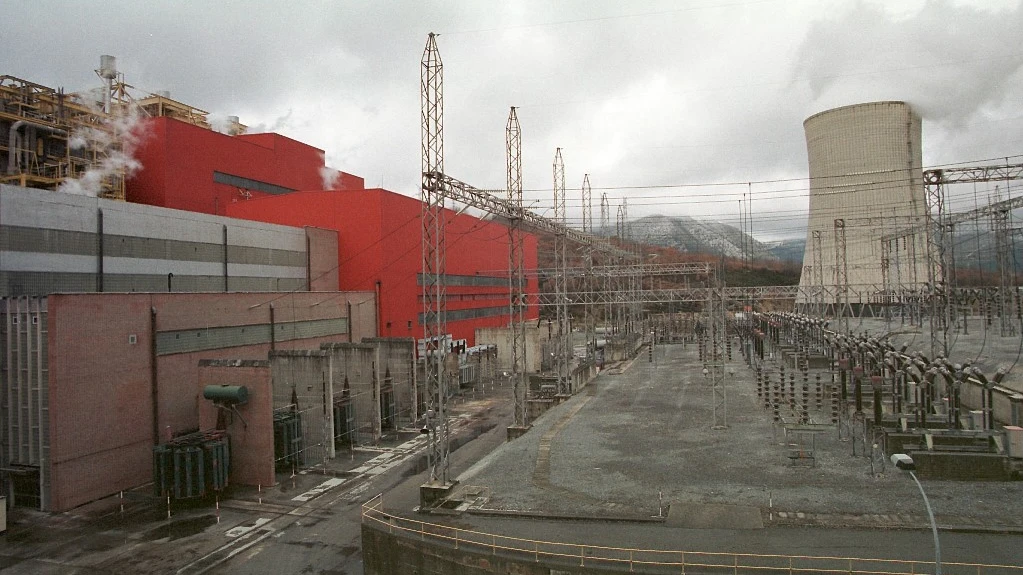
(865, 162)
(107, 67)
(233, 394)
(162, 93)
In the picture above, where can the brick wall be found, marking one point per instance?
(251, 429)
(101, 416)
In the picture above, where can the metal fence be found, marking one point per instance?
(655, 560)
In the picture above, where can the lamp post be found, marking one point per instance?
(905, 463)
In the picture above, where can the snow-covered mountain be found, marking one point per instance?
(691, 235)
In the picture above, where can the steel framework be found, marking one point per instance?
(588, 318)
(818, 271)
(1003, 252)
(561, 345)
(939, 241)
(587, 205)
(841, 274)
(516, 261)
(433, 200)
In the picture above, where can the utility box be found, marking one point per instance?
(1014, 436)
(976, 420)
(3, 514)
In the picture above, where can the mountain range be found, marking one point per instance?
(691, 235)
(974, 247)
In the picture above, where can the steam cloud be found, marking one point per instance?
(948, 61)
(278, 124)
(116, 146)
(219, 123)
(330, 177)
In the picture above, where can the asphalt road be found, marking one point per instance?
(322, 535)
(328, 543)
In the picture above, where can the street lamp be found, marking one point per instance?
(905, 463)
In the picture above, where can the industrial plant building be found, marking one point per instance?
(865, 181)
(176, 298)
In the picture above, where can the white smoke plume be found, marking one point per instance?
(949, 61)
(277, 125)
(115, 143)
(219, 122)
(330, 177)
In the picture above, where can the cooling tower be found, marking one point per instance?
(865, 169)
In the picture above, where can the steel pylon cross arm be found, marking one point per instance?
(488, 201)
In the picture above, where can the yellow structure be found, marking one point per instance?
(49, 139)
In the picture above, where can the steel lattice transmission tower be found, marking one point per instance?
(561, 347)
(620, 281)
(433, 200)
(842, 276)
(1003, 252)
(605, 224)
(516, 274)
(936, 272)
(587, 205)
(939, 238)
(588, 319)
(818, 272)
(605, 213)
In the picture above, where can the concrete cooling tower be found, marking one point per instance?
(865, 170)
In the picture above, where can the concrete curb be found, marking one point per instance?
(482, 512)
(854, 521)
(811, 520)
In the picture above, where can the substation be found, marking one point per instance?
(220, 308)
(871, 349)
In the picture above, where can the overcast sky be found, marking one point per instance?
(653, 99)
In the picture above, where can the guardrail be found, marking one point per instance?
(656, 560)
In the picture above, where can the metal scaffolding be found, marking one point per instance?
(52, 138)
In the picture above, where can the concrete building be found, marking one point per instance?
(92, 382)
(56, 242)
(865, 169)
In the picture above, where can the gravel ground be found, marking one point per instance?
(628, 444)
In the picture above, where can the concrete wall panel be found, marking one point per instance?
(323, 255)
(51, 242)
(501, 337)
(101, 377)
(301, 383)
(397, 356)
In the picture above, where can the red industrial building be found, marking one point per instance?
(381, 249)
(188, 167)
(105, 371)
(274, 179)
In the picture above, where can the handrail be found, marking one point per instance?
(593, 555)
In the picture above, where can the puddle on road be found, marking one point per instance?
(180, 528)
